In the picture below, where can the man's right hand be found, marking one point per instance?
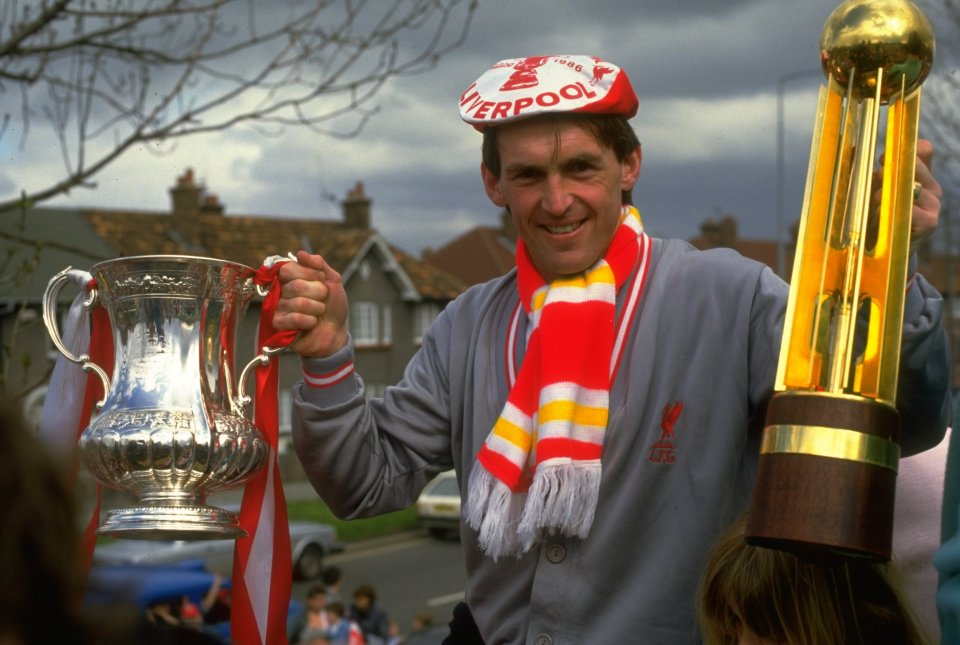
(313, 302)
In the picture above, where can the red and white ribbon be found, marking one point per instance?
(262, 568)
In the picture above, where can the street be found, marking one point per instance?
(409, 573)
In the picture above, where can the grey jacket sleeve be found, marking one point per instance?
(923, 388)
(366, 457)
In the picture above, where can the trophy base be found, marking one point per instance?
(172, 523)
(826, 478)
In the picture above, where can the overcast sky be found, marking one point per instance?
(706, 72)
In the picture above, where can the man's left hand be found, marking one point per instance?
(926, 207)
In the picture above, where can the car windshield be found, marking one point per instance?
(446, 487)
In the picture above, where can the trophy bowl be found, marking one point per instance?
(171, 428)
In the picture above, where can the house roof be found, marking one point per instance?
(95, 234)
(251, 239)
(244, 239)
(723, 234)
(433, 283)
(480, 254)
(41, 242)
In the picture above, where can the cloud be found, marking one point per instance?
(706, 72)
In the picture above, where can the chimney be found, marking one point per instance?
(186, 209)
(710, 230)
(728, 231)
(211, 205)
(356, 208)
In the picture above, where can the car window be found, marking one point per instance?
(447, 487)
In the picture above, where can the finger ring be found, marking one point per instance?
(917, 187)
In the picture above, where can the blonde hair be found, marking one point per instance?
(794, 601)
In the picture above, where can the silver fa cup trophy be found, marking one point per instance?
(172, 426)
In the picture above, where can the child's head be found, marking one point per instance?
(332, 576)
(316, 598)
(422, 620)
(363, 597)
(336, 611)
(762, 596)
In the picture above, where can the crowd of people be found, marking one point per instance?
(326, 620)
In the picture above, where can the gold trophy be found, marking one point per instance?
(829, 454)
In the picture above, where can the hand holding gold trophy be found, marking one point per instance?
(828, 459)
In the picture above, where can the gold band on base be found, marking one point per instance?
(821, 441)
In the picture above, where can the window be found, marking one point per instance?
(363, 324)
(424, 316)
(371, 324)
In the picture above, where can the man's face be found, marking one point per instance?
(563, 190)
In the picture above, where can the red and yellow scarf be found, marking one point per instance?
(540, 466)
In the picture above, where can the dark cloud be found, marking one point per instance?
(707, 74)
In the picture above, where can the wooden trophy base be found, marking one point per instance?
(826, 478)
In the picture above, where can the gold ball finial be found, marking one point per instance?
(863, 36)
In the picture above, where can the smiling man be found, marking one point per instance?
(563, 188)
(601, 403)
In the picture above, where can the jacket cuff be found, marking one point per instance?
(331, 379)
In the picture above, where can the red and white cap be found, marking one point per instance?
(518, 88)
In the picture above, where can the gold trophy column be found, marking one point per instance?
(828, 460)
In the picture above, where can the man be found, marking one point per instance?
(600, 404)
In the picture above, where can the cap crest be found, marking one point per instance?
(519, 88)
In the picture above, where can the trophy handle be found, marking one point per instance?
(243, 400)
(50, 322)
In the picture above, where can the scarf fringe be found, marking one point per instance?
(563, 498)
(494, 511)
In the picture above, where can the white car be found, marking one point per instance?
(438, 507)
(309, 543)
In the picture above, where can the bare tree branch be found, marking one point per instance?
(107, 75)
